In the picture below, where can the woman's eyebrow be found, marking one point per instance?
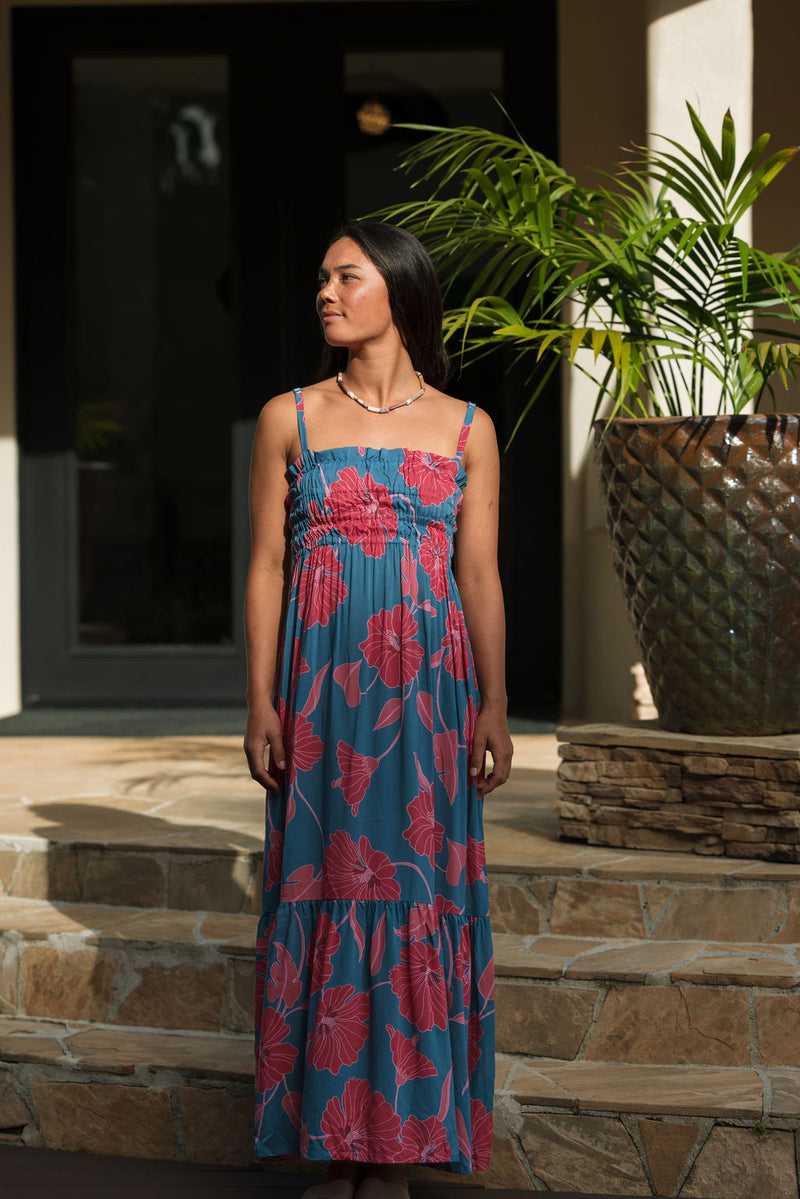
(343, 266)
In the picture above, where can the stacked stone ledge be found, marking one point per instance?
(638, 787)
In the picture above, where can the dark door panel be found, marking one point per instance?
(177, 173)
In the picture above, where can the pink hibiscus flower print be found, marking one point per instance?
(303, 746)
(341, 1026)
(425, 1140)
(357, 770)
(326, 942)
(276, 1056)
(284, 985)
(481, 1138)
(390, 646)
(434, 557)
(362, 509)
(433, 477)
(476, 861)
(418, 983)
(473, 1041)
(358, 871)
(274, 859)
(321, 588)
(407, 1059)
(302, 883)
(424, 833)
(463, 962)
(455, 643)
(361, 1125)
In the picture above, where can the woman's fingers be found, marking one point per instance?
(501, 768)
(257, 743)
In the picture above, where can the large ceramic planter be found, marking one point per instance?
(704, 520)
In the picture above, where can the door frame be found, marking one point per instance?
(271, 296)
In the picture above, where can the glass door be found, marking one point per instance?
(178, 170)
(155, 376)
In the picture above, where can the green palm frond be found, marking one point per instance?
(665, 290)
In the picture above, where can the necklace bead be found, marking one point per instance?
(391, 408)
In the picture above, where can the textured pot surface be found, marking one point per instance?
(704, 520)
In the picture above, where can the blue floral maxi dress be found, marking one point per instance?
(375, 984)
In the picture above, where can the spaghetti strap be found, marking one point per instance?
(301, 419)
(464, 434)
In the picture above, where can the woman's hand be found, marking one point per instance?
(491, 732)
(263, 733)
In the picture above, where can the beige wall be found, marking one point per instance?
(626, 71)
(9, 487)
(602, 108)
(776, 110)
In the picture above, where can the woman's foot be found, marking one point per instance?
(383, 1182)
(341, 1183)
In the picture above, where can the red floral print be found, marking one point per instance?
(357, 770)
(463, 964)
(303, 746)
(341, 1025)
(481, 1121)
(292, 1104)
(284, 985)
(361, 1125)
(456, 860)
(425, 1140)
(455, 644)
(390, 646)
(373, 973)
(272, 873)
(433, 476)
(302, 883)
(445, 758)
(473, 1040)
(321, 589)
(418, 982)
(424, 833)
(476, 861)
(358, 871)
(407, 1059)
(323, 947)
(362, 509)
(434, 556)
(346, 676)
(276, 1056)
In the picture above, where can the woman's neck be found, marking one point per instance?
(381, 378)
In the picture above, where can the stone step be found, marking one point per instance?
(698, 1003)
(544, 886)
(667, 1130)
(197, 873)
(671, 1003)
(107, 965)
(578, 1126)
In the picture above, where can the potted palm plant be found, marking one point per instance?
(644, 285)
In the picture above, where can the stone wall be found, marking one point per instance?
(638, 787)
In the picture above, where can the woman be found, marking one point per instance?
(374, 1008)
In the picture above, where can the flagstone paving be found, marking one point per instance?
(647, 1003)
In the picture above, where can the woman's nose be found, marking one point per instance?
(326, 292)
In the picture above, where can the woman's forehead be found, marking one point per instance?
(345, 252)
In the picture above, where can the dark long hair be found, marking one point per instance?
(414, 297)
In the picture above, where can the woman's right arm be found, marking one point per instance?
(267, 583)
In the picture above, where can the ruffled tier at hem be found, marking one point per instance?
(375, 1033)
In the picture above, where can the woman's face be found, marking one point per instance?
(352, 299)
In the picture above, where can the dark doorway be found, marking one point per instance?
(177, 172)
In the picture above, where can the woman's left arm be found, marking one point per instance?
(478, 582)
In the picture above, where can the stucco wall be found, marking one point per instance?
(626, 71)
